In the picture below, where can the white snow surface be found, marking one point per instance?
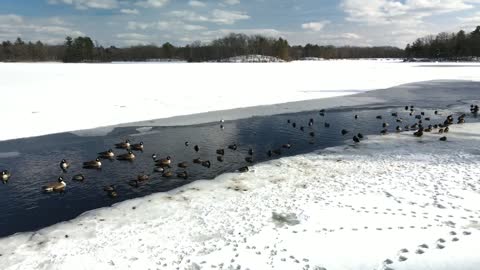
(45, 98)
(375, 205)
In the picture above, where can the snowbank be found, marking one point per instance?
(392, 201)
(254, 58)
(47, 98)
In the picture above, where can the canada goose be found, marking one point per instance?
(64, 165)
(58, 186)
(440, 131)
(302, 128)
(288, 121)
(198, 161)
(143, 177)
(356, 116)
(269, 153)
(164, 161)
(344, 131)
(294, 125)
(310, 122)
(233, 146)
(461, 121)
(111, 191)
(222, 127)
(287, 146)
(322, 112)
(406, 108)
(356, 139)
(422, 113)
(78, 177)
(327, 125)
(250, 152)
(461, 116)
(220, 152)
(243, 169)
(360, 136)
(379, 117)
(384, 131)
(154, 157)
(183, 165)
(399, 120)
(183, 175)
(446, 129)
(159, 169)
(406, 128)
(123, 145)
(137, 146)
(187, 143)
(443, 139)
(312, 134)
(220, 158)
(127, 156)
(249, 159)
(384, 125)
(196, 148)
(109, 154)
(94, 164)
(5, 176)
(394, 114)
(418, 116)
(435, 112)
(167, 174)
(418, 133)
(427, 118)
(206, 163)
(398, 129)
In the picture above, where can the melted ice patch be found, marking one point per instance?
(393, 201)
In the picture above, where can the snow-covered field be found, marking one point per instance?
(391, 202)
(47, 98)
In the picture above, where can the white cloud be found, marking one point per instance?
(85, 4)
(152, 3)
(216, 16)
(129, 11)
(471, 21)
(47, 30)
(315, 26)
(195, 3)
(232, 2)
(350, 36)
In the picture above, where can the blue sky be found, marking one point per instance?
(131, 22)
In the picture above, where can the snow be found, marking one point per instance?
(375, 205)
(45, 98)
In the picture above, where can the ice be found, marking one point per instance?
(393, 201)
(72, 97)
(9, 154)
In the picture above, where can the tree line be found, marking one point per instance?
(461, 45)
(84, 49)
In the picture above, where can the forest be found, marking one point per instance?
(453, 46)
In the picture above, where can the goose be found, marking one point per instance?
(196, 148)
(183, 165)
(356, 139)
(379, 117)
(167, 174)
(206, 163)
(243, 169)
(137, 146)
(220, 158)
(250, 152)
(418, 133)
(443, 139)
(164, 161)
(154, 157)
(187, 143)
(78, 177)
(287, 146)
(356, 116)
(398, 129)
(127, 156)
(233, 146)
(183, 175)
(360, 136)
(294, 125)
(5, 176)
(384, 125)
(302, 128)
(198, 161)
(64, 165)
(123, 145)
(111, 191)
(109, 154)
(277, 152)
(327, 125)
(384, 131)
(94, 164)
(58, 186)
(249, 159)
(159, 169)
(344, 131)
(394, 114)
(312, 134)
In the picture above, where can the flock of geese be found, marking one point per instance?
(163, 165)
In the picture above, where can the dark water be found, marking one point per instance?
(25, 207)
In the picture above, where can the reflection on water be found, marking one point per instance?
(25, 207)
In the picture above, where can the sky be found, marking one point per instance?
(133, 22)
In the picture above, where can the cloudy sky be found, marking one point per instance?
(131, 22)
